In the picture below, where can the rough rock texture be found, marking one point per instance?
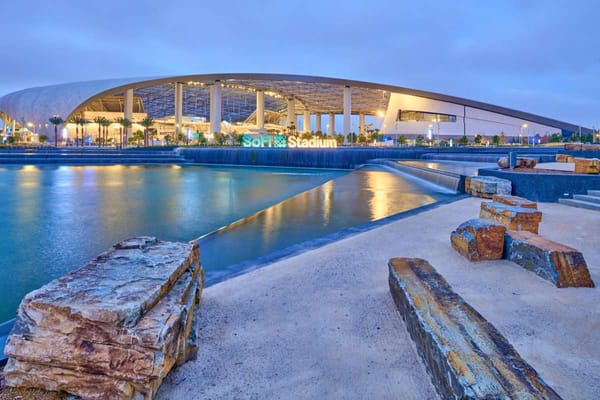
(562, 265)
(112, 329)
(466, 357)
(479, 239)
(586, 165)
(566, 158)
(522, 162)
(487, 186)
(514, 201)
(581, 146)
(513, 217)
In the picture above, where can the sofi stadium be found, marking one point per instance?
(203, 105)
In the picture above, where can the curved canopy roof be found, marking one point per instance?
(316, 94)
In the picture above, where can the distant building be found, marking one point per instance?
(246, 103)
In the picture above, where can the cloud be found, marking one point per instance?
(488, 51)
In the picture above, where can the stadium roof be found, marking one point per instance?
(312, 93)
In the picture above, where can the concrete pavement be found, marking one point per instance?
(323, 325)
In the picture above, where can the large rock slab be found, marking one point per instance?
(581, 146)
(513, 217)
(522, 162)
(66, 337)
(562, 265)
(465, 356)
(479, 239)
(487, 186)
(564, 158)
(514, 201)
(586, 165)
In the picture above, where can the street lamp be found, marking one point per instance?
(523, 127)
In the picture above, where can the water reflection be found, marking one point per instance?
(467, 168)
(361, 196)
(55, 218)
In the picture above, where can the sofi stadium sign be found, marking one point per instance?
(292, 142)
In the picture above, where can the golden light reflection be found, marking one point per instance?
(327, 193)
(31, 178)
(28, 188)
(273, 217)
(379, 184)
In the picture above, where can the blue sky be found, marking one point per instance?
(537, 56)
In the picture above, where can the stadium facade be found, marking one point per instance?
(259, 103)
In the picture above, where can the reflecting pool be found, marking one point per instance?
(55, 218)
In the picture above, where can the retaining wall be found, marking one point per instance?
(546, 187)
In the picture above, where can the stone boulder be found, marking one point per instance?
(586, 165)
(565, 158)
(112, 329)
(522, 162)
(562, 265)
(466, 357)
(514, 201)
(581, 146)
(479, 239)
(487, 186)
(512, 217)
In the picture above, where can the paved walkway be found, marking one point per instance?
(323, 325)
(556, 166)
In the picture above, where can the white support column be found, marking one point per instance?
(178, 101)
(291, 113)
(306, 121)
(361, 123)
(215, 107)
(128, 111)
(260, 110)
(318, 127)
(331, 130)
(347, 111)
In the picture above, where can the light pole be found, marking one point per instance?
(523, 127)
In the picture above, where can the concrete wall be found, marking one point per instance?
(542, 187)
(477, 121)
(307, 158)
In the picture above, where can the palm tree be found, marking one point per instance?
(56, 121)
(98, 120)
(82, 122)
(105, 124)
(146, 123)
(75, 121)
(125, 124)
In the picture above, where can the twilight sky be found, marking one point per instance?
(538, 56)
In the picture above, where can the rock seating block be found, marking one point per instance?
(465, 356)
(522, 162)
(487, 186)
(566, 158)
(512, 217)
(562, 265)
(479, 239)
(514, 201)
(586, 165)
(581, 146)
(112, 329)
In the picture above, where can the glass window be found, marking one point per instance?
(411, 115)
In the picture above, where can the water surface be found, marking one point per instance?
(367, 194)
(54, 219)
(467, 168)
